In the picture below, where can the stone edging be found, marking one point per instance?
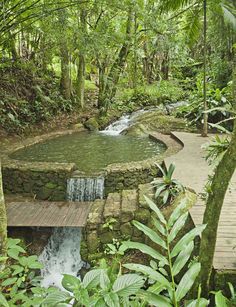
(48, 180)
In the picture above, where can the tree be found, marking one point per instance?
(219, 185)
(3, 220)
(222, 174)
(65, 81)
(205, 116)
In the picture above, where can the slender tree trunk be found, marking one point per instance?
(3, 220)
(101, 93)
(81, 79)
(220, 182)
(81, 62)
(117, 67)
(135, 68)
(65, 82)
(205, 116)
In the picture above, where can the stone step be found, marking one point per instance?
(128, 205)
(147, 190)
(112, 206)
(95, 216)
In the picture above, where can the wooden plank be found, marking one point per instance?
(47, 214)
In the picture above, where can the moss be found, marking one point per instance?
(126, 229)
(51, 185)
(142, 215)
(92, 124)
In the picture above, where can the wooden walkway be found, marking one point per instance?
(192, 170)
(47, 214)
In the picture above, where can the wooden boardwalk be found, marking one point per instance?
(192, 170)
(47, 214)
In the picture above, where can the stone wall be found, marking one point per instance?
(113, 219)
(48, 181)
(44, 181)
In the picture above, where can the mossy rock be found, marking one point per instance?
(156, 121)
(92, 124)
(78, 126)
(51, 185)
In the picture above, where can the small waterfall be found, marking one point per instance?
(85, 188)
(118, 126)
(123, 123)
(61, 256)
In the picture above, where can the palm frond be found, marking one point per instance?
(229, 11)
(170, 5)
(193, 24)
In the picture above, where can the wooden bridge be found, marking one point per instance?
(47, 214)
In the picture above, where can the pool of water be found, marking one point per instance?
(91, 151)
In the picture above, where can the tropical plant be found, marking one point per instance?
(216, 149)
(100, 287)
(223, 301)
(166, 187)
(170, 274)
(19, 275)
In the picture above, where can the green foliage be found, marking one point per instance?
(166, 187)
(18, 278)
(99, 287)
(216, 149)
(164, 287)
(223, 301)
(154, 94)
(219, 103)
(28, 100)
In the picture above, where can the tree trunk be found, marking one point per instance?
(101, 93)
(80, 79)
(117, 67)
(205, 116)
(3, 220)
(220, 182)
(65, 82)
(81, 62)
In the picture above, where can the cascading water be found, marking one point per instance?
(62, 253)
(61, 256)
(123, 123)
(85, 188)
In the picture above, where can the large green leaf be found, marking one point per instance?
(182, 258)
(70, 283)
(187, 281)
(154, 299)
(146, 270)
(92, 278)
(183, 203)
(201, 302)
(151, 234)
(182, 244)
(221, 300)
(112, 300)
(9, 281)
(54, 298)
(154, 208)
(146, 250)
(179, 224)
(159, 226)
(3, 301)
(104, 280)
(170, 171)
(128, 284)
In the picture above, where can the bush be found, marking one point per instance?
(154, 94)
(218, 101)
